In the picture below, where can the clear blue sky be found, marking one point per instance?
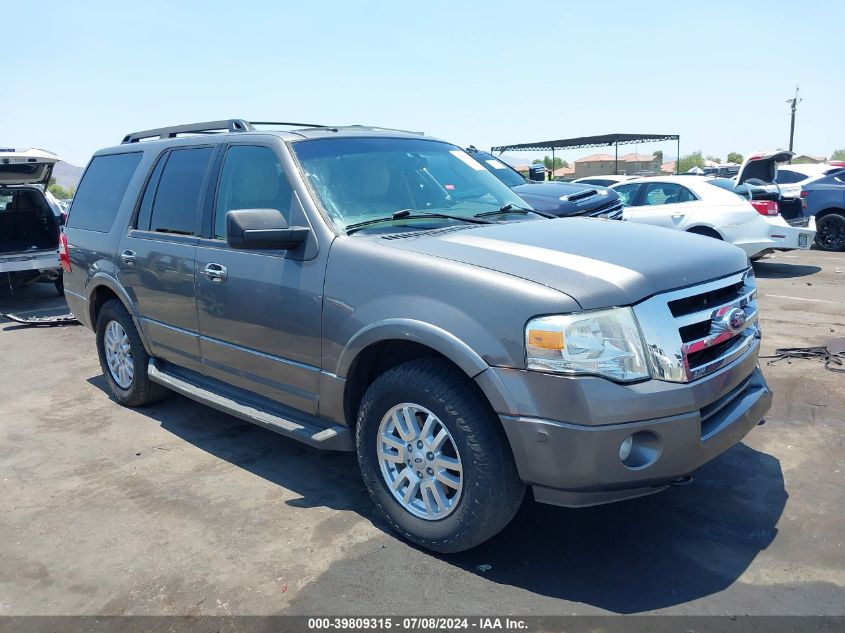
(82, 74)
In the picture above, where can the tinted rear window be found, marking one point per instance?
(101, 191)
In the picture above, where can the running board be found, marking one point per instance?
(334, 438)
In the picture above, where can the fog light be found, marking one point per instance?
(625, 448)
(640, 450)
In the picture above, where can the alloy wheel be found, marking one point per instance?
(419, 461)
(118, 354)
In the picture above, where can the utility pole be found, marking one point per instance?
(793, 104)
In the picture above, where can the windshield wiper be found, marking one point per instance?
(404, 214)
(510, 208)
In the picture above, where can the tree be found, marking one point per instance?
(685, 163)
(659, 156)
(733, 157)
(838, 155)
(547, 162)
(715, 159)
(60, 192)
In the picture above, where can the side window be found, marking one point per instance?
(686, 195)
(144, 213)
(101, 191)
(627, 193)
(176, 203)
(662, 193)
(787, 177)
(252, 178)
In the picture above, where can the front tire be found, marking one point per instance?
(123, 358)
(830, 232)
(434, 458)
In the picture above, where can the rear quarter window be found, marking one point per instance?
(102, 190)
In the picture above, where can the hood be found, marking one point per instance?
(598, 263)
(552, 189)
(762, 166)
(565, 198)
(26, 166)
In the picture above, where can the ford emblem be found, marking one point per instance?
(735, 319)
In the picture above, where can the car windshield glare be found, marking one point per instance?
(361, 179)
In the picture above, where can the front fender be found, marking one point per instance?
(421, 332)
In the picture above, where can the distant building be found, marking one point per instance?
(668, 168)
(604, 164)
(808, 159)
(564, 173)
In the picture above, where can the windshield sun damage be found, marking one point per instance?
(363, 179)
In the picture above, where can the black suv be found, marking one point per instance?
(561, 199)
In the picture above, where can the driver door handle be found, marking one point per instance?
(128, 257)
(216, 273)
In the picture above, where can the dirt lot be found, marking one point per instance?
(178, 509)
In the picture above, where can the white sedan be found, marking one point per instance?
(690, 203)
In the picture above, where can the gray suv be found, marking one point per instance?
(322, 283)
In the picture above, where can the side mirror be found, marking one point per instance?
(263, 229)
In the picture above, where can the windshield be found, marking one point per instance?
(499, 169)
(361, 179)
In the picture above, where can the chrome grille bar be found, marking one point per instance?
(731, 327)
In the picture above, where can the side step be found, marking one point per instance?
(311, 432)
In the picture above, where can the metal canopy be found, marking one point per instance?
(602, 140)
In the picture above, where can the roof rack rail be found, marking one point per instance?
(386, 129)
(207, 127)
(230, 125)
(285, 123)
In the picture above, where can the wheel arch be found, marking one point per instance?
(383, 346)
(830, 211)
(102, 288)
(705, 229)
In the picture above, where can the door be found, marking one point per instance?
(259, 311)
(663, 204)
(156, 258)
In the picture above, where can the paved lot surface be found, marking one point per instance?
(178, 509)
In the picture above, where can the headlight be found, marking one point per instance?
(604, 343)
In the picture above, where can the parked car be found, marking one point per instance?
(790, 178)
(602, 181)
(322, 283)
(721, 171)
(562, 199)
(694, 204)
(29, 219)
(824, 202)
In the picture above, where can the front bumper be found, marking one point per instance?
(577, 463)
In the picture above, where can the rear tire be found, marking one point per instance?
(830, 232)
(116, 331)
(485, 489)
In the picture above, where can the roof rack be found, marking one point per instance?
(207, 127)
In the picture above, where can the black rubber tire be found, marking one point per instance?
(142, 390)
(60, 285)
(706, 232)
(492, 491)
(832, 223)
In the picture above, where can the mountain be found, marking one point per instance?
(67, 175)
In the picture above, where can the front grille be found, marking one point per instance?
(612, 210)
(695, 331)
